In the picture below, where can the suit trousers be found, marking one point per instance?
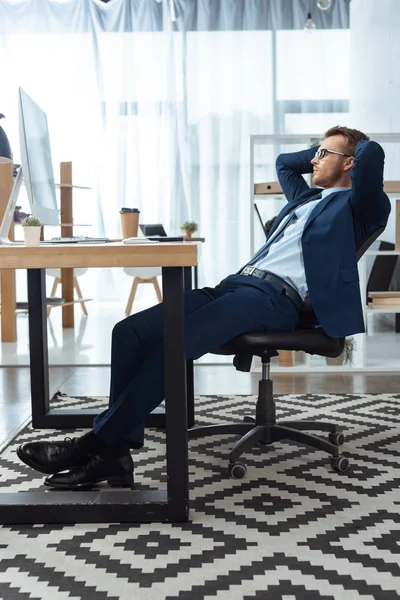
(213, 316)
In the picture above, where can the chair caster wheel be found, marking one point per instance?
(249, 420)
(337, 438)
(237, 470)
(340, 464)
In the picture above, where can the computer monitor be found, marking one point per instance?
(36, 162)
(260, 219)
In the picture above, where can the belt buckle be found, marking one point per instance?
(251, 270)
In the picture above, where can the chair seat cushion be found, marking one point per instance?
(312, 341)
(143, 272)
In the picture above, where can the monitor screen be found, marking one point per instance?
(36, 161)
(155, 229)
(260, 219)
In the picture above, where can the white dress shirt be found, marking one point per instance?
(285, 256)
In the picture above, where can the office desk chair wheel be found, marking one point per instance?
(237, 470)
(340, 464)
(337, 438)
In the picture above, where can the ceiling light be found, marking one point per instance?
(324, 4)
(309, 25)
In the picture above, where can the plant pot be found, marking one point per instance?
(335, 361)
(187, 236)
(32, 235)
(286, 358)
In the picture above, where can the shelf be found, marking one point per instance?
(293, 138)
(382, 253)
(331, 369)
(389, 309)
(273, 188)
(71, 186)
(258, 138)
(53, 304)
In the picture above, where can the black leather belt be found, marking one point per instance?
(290, 292)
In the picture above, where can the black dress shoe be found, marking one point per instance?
(52, 457)
(117, 471)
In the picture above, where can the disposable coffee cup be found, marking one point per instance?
(129, 222)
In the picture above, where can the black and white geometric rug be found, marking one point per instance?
(293, 529)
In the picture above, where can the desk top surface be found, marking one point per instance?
(168, 254)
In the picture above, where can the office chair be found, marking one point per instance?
(56, 273)
(263, 428)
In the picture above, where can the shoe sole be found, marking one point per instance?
(25, 459)
(125, 481)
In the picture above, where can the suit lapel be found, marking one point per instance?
(319, 208)
(290, 206)
(302, 199)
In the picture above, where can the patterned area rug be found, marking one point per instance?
(293, 529)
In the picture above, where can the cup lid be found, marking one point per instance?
(128, 210)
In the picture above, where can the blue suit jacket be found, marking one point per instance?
(337, 226)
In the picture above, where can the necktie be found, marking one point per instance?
(278, 234)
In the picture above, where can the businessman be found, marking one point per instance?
(309, 257)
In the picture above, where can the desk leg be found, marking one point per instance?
(189, 363)
(175, 391)
(38, 352)
(196, 277)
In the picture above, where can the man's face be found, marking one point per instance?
(330, 169)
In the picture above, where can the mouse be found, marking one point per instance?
(138, 240)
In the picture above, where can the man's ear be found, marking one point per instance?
(349, 163)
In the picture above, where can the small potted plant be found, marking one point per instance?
(32, 228)
(188, 228)
(346, 358)
(349, 349)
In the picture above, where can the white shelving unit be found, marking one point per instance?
(370, 312)
(314, 363)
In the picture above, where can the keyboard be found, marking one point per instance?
(76, 239)
(166, 238)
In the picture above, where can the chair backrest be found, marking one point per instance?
(308, 318)
(367, 242)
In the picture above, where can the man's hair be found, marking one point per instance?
(352, 136)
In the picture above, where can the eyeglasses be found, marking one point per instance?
(321, 153)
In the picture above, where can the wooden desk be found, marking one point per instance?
(106, 506)
(196, 274)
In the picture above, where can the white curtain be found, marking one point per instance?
(154, 102)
